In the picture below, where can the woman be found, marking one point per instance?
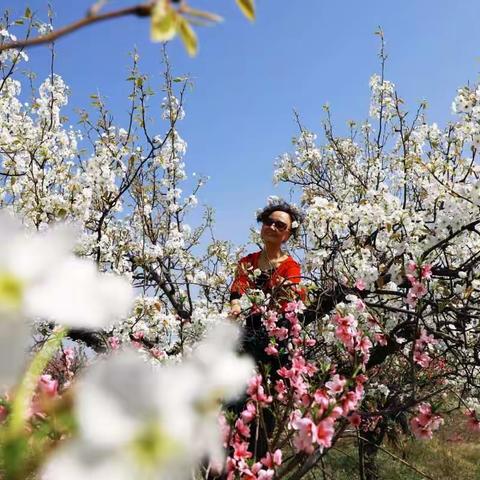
(271, 269)
(276, 273)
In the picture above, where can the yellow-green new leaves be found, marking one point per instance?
(164, 21)
(187, 35)
(167, 22)
(248, 8)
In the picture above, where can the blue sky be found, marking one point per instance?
(248, 77)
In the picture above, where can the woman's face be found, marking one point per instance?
(279, 229)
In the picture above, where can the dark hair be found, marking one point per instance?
(281, 206)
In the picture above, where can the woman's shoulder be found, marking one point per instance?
(290, 262)
(251, 258)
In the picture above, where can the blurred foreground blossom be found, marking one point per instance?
(139, 421)
(41, 279)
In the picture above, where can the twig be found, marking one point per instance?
(142, 10)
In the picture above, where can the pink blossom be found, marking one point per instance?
(244, 469)
(325, 433)
(281, 389)
(360, 284)
(295, 306)
(256, 391)
(265, 474)
(361, 378)
(158, 353)
(277, 457)
(346, 329)
(322, 399)
(419, 289)
(336, 412)
(360, 305)
(224, 428)
(281, 333)
(380, 338)
(230, 465)
(271, 350)
(359, 391)
(295, 330)
(241, 428)
(424, 424)
(114, 343)
(411, 278)
(345, 335)
(411, 300)
(138, 335)
(426, 339)
(285, 372)
(411, 267)
(336, 384)
(349, 402)
(421, 358)
(355, 419)
(271, 317)
(306, 436)
(241, 450)
(48, 385)
(365, 345)
(419, 430)
(69, 355)
(426, 271)
(270, 460)
(249, 413)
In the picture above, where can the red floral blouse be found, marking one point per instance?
(289, 270)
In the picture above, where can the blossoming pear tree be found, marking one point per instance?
(97, 204)
(393, 224)
(124, 193)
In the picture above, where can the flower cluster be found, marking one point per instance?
(426, 422)
(124, 409)
(417, 276)
(311, 393)
(420, 352)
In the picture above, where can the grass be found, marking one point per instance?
(453, 454)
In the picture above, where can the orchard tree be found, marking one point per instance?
(392, 225)
(95, 204)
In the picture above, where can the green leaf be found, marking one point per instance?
(26, 389)
(28, 13)
(188, 36)
(164, 22)
(248, 8)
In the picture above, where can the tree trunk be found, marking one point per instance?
(368, 449)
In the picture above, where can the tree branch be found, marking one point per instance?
(142, 10)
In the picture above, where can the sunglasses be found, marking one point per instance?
(278, 224)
